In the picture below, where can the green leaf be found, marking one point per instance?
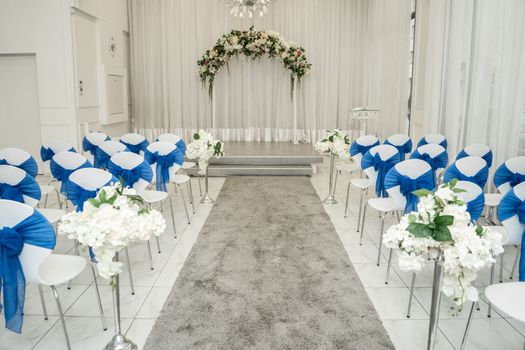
(422, 192)
(412, 218)
(113, 198)
(458, 190)
(196, 136)
(444, 220)
(479, 230)
(452, 183)
(135, 198)
(94, 202)
(102, 196)
(442, 234)
(419, 230)
(143, 211)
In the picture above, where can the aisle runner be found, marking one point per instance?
(268, 271)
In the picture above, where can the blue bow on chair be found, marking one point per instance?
(356, 148)
(29, 165)
(487, 156)
(403, 149)
(131, 176)
(480, 178)
(27, 186)
(78, 195)
(424, 141)
(101, 158)
(407, 186)
(475, 207)
(511, 205)
(504, 174)
(439, 161)
(35, 230)
(381, 167)
(137, 147)
(164, 163)
(47, 153)
(62, 174)
(89, 147)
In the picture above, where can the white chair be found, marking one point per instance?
(62, 165)
(435, 155)
(105, 150)
(47, 151)
(507, 175)
(91, 141)
(473, 197)
(19, 158)
(39, 265)
(478, 150)
(135, 143)
(433, 138)
(470, 168)
(402, 142)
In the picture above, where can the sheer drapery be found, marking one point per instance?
(475, 73)
(358, 48)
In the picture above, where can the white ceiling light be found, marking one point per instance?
(248, 8)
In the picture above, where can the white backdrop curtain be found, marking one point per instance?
(359, 50)
(475, 73)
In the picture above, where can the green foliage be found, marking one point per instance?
(437, 229)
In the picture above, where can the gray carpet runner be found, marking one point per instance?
(268, 271)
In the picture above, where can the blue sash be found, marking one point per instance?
(407, 186)
(27, 186)
(78, 195)
(403, 149)
(35, 230)
(62, 174)
(101, 158)
(424, 141)
(504, 175)
(487, 156)
(164, 163)
(89, 147)
(475, 207)
(29, 165)
(136, 148)
(356, 148)
(439, 161)
(47, 153)
(479, 179)
(381, 167)
(510, 206)
(131, 176)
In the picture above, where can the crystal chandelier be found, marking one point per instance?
(247, 8)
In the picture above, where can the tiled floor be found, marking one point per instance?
(152, 287)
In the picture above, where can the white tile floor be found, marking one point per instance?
(152, 287)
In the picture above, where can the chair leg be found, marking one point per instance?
(158, 243)
(42, 301)
(412, 284)
(360, 207)
(347, 195)
(467, 328)
(190, 194)
(59, 307)
(129, 272)
(388, 265)
(172, 217)
(492, 268)
(363, 225)
(45, 200)
(381, 239)
(185, 206)
(58, 198)
(150, 256)
(100, 309)
(501, 267)
(77, 250)
(515, 263)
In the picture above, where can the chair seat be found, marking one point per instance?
(381, 204)
(152, 196)
(347, 167)
(180, 179)
(508, 297)
(361, 183)
(188, 165)
(52, 215)
(58, 268)
(493, 199)
(504, 234)
(46, 189)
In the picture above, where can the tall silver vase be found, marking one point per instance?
(206, 198)
(119, 341)
(436, 301)
(331, 186)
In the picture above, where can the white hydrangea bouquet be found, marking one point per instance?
(442, 223)
(109, 223)
(335, 143)
(203, 147)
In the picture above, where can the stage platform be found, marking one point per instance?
(265, 158)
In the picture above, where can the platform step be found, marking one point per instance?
(256, 170)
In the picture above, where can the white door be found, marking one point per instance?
(19, 108)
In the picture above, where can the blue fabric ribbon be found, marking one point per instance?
(89, 147)
(164, 163)
(101, 158)
(504, 174)
(47, 153)
(27, 186)
(408, 185)
(511, 205)
(78, 195)
(356, 148)
(403, 149)
(131, 176)
(479, 179)
(487, 156)
(35, 230)
(439, 161)
(181, 145)
(62, 174)
(136, 148)
(424, 141)
(29, 165)
(381, 167)
(475, 207)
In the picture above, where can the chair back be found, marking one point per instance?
(434, 138)
(84, 183)
(473, 197)
(406, 177)
(165, 159)
(50, 148)
(64, 163)
(510, 174)
(28, 238)
(132, 168)
(19, 158)
(135, 143)
(377, 162)
(435, 155)
(402, 142)
(360, 146)
(471, 168)
(105, 150)
(17, 185)
(479, 150)
(177, 140)
(91, 141)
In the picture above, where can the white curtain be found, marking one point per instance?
(359, 50)
(475, 73)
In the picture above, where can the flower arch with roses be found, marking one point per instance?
(254, 44)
